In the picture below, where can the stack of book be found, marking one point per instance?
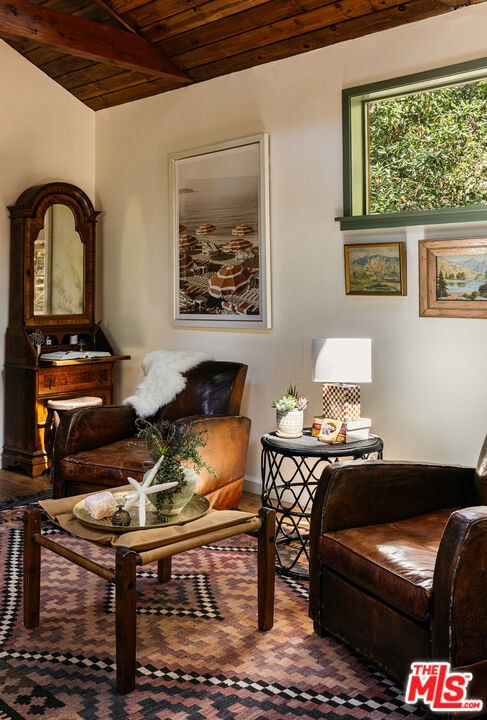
(337, 431)
(354, 430)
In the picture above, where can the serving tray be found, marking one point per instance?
(196, 507)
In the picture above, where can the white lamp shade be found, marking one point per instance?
(342, 360)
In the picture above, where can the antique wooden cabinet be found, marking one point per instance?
(54, 348)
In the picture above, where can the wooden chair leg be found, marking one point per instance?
(125, 619)
(164, 570)
(266, 568)
(32, 568)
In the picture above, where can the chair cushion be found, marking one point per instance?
(73, 403)
(109, 465)
(394, 561)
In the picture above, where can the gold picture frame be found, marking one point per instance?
(453, 278)
(375, 269)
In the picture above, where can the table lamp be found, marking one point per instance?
(341, 363)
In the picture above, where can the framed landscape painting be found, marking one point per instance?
(375, 269)
(453, 278)
(220, 235)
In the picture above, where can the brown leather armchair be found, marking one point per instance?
(95, 448)
(398, 564)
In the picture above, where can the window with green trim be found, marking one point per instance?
(415, 149)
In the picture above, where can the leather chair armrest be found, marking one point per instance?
(459, 617)
(370, 492)
(91, 427)
(226, 445)
(88, 428)
(477, 688)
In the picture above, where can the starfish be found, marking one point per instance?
(145, 488)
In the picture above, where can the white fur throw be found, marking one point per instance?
(163, 370)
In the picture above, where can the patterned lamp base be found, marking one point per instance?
(341, 402)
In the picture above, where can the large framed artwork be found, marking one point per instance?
(220, 229)
(453, 278)
(375, 269)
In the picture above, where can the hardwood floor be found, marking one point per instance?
(249, 502)
(13, 484)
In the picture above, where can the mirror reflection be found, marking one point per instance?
(58, 265)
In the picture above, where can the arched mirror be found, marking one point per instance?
(58, 265)
(55, 223)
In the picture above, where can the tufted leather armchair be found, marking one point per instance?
(398, 564)
(95, 448)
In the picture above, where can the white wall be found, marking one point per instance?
(45, 135)
(428, 396)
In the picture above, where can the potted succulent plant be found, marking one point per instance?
(290, 413)
(181, 462)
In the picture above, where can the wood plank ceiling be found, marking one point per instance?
(109, 52)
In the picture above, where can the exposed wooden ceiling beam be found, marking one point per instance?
(84, 38)
(106, 6)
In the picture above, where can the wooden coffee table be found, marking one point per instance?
(159, 547)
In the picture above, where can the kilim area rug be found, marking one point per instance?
(199, 653)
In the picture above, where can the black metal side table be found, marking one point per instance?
(291, 469)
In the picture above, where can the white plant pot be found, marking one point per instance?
(289, 424)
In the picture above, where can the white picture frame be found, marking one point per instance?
(220, 235)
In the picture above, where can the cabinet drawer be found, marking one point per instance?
(66, 378)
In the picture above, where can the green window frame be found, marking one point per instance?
(355, 161)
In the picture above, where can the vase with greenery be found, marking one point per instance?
(181, 463)
(290, 413)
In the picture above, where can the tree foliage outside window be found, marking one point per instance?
(428, 150)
